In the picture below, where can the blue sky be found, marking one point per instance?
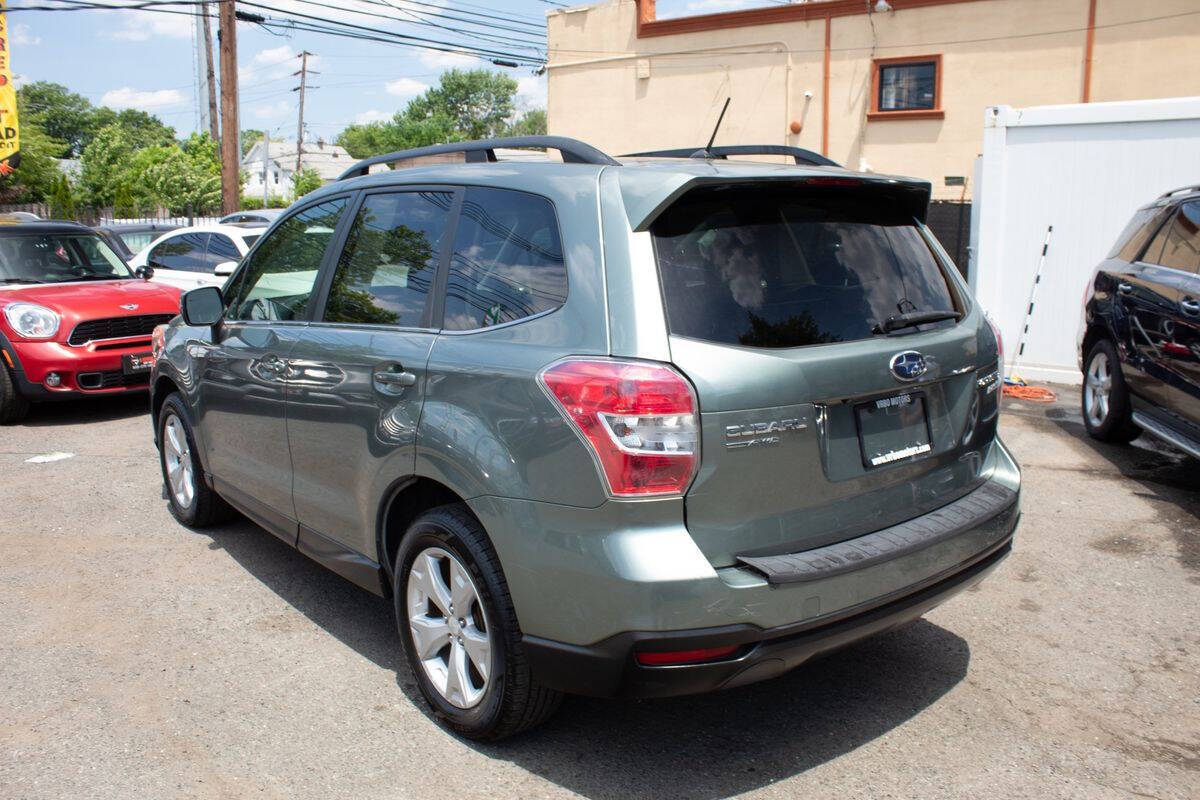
(146, 60)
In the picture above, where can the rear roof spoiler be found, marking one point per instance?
(646, 194)
(1180, 190)
(572, 151)
(798, 154)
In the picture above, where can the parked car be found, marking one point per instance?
(74, 319)
(638, 429)
(262, 215)
(1140, 344)
(203, 255)
(130, 238)
(14, 217)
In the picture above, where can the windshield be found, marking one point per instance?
(788, 269)
(58, 258)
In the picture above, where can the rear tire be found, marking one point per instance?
(443, 559)
(189, 498)
(1107, 413)
(13, 405)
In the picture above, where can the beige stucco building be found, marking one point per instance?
(899, 89)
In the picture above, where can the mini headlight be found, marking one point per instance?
(32, 321)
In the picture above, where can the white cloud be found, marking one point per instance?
(128, 97)
(270, 110)
(405, 87)
(141, 26)
(373, 115)
(531, 91)
(21, 34)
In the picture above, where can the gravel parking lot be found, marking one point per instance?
(142, 659)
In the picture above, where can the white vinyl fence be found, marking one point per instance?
(1083, 169)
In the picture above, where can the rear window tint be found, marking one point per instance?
(1139, 229)
(772, 269)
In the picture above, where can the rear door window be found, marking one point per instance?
(507, 262)
(1178, 243)
(1135, 234)
(765, 268)
(221, 249)
(387, 268)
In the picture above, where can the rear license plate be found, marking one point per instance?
(893, 429)
(137, 363)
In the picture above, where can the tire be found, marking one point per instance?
(1107, 413)
(13, 405)
(441, 545)
(189, 498)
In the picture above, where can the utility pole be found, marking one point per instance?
(303, 73)
(230, 157)
(214, 127)
(266, 153)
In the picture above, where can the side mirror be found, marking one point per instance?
(145, 273)
(202, 307)
(225, 268)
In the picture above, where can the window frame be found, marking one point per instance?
(434, 302)
(233, 284)
(874, 112)
(444, 276)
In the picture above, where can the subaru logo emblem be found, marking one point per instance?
(909, 365)
(129, 306)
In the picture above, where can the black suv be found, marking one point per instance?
(1140, 345)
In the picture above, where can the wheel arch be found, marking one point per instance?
(403, 502)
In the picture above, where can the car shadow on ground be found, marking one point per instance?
(89, 410)
(711, 745)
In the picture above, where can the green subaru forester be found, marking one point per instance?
(644, 427)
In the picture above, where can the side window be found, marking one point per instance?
(221, 249)
(184, 252)
(387, 268)
(1181, 240)
(507, 262)
(277, 283)
(1135, 234)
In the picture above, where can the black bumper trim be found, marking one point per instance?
(969, 511)
(608, 668)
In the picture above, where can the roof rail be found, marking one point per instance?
(1195, 188)
(573, 151)
(798, 154)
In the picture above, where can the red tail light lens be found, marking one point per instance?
(638, 418)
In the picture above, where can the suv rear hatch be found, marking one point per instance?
(788, 305)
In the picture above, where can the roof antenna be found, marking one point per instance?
(708, 147)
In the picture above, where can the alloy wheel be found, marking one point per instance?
(177, 456)
(1097, 389)
(450, 631)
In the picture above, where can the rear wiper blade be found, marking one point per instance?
(914, 318)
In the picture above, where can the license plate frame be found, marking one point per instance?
(136, 363)
(908, 437)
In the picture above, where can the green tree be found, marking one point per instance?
(531, 123)
(305, 181)
(62, 200)
(401, 133)
(141, 129)
(62, 114)
(478, 102)
(35, 178)
(104, 163)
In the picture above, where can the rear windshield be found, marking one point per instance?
(789, 269)
(1136, 233)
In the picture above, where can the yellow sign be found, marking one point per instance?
(10, 137)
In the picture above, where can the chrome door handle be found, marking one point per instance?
(395, 380)
(1125, 288)
(1190, 307)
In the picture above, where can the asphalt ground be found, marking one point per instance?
(141, 659)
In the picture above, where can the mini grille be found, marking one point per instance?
(116, 327)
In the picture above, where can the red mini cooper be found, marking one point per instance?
(74, 319)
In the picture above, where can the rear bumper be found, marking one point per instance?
(609, 669)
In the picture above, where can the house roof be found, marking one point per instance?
(328, 160)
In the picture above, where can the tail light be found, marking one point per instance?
(638, 418)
